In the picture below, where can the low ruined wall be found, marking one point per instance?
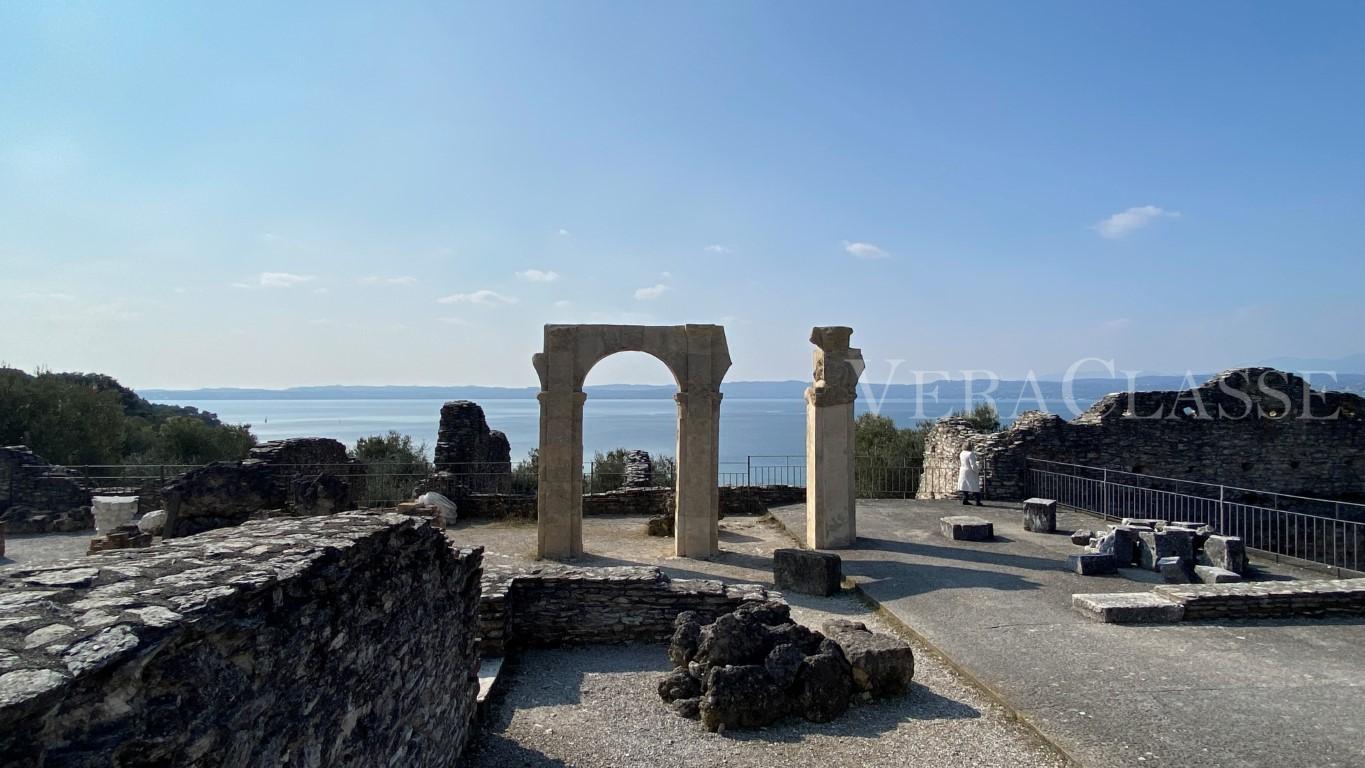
(298, 476)
(37, 497)
(344, 641)
(736, 500)
(554, 605)
(1251, 428)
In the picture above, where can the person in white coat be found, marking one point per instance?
(969, 475)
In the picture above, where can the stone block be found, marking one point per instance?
(111, 512)
(1209, 574)
(1040, 515)
(810, 573)
(1155, 545)
(1092, 564)
(1146, 522)
(1129, 608)
(1175, 570)
(966, 528)
(1121, 541)
(1226, 552)
(882, 665)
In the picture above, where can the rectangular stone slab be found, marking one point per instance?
(810, 573)
(1092, 564)
(1128, 608)
(966, 528)
(1211, 574)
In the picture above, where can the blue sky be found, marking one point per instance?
(279, 194)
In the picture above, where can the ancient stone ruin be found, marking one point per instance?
(639, 470)
(1255, 428)
(481, 458)
(37, 497)
(300, 476)
(830, 486)
(755, 666)
(345, 640)
(698, 358)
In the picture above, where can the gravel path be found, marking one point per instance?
(597, 706)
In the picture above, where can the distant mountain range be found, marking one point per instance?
(947, 391)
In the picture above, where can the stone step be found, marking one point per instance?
(1245, 600)
(490, 668)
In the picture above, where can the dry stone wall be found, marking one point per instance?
(466, 447)
(346, 640)
(299, 476)
(1253, 428)
(552, 605)
(37, 497)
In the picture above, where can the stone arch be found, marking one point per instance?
(698, 358)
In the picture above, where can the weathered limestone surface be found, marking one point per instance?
(1128, 608)
(810, 573)
(1040, 515)
(751, 667)
(1244, 600)
(1227, 552)
(831, 503)
(228, 493)
(639, 470)
(218, 495)
(882, 665)
(1255, 436)
(554, 605)
(1268, 599)
(698, 358)
(37, 497)
(1092, 564)
(346, 640)
(966, 528)
(481, 458)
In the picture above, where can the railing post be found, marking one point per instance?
(749, 470)
(1222, 512)
(1104, 493)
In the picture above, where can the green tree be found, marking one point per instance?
(983, 417)
(526, 474)
(888, 458)
(395, 451)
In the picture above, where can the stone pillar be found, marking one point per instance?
(559, 495)
(831, 506)
(697, 498)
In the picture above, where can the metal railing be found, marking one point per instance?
(1302, 529)
(385, 484)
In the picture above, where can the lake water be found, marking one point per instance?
(748, 426)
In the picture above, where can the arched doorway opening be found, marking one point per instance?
(619, 421)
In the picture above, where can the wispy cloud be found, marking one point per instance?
(1131, 220)
(865, 250)
(460, 321)
(381, 280)
(284, 279)
(652, 292)
(65, 298)
(484, 296)
(1117, 324)
(563, 233)
(722, 250)
(538, 275)
(563, 304)
(117, 309)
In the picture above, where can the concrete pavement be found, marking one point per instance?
(1243, 693)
